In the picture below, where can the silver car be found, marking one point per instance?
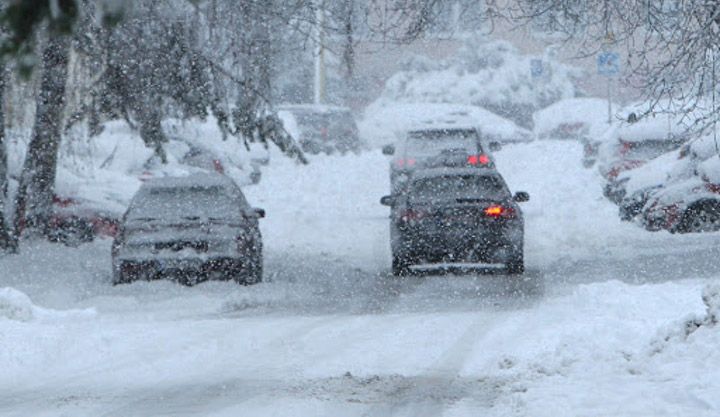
(191, 229)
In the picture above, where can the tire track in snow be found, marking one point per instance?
(73, 383)
(408, 401)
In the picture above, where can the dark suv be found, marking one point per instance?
(456, 218)
(437, 147)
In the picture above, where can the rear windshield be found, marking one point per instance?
(184, 203)
(458, 186)
(434, 142)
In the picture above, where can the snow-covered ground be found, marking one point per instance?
(331, 333)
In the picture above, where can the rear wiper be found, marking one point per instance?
(469, 200)
(191, 217)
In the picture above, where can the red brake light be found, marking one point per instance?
(218, 166)
(481, 159)
(401, 163)
(411, 215)
(499, 211)
(494, 211)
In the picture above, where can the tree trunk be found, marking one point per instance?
(4, 235)
(151, 130)
(35, 194)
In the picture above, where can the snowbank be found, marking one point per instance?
(17, 306)
(102, 173)
(490, 74)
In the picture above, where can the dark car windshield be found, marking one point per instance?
(175, 203)
(458, 186)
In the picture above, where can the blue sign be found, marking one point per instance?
(608, 63)
(536, 68)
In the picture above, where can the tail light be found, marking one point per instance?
(713, 188)
(625, 147)
(411, 216)
(218, 166)
(481, 159)
(498, 211)
(405, 163)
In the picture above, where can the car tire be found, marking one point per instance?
(251, 273)
(516, 264)
(400, 265)
(700, 217)
(120, 277)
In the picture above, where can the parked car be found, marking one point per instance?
(321, 128)
(191, 228)
(638, 139)
(688, 206)
(435, 148)
(460, 217)
(75, 220)
(572, 119)
(632, 189)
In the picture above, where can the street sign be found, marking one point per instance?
(608, 63)
(536, 68)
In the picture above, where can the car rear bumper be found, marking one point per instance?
(487, 248)
(198, 269)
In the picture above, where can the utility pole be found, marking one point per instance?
(320, 52)
(609, 100)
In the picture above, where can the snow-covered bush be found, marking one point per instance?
(490, 74)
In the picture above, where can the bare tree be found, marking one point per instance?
(33, 201)
(672, 46)
(4, 235)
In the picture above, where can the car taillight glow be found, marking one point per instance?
(411, 215)
(402, 163)
(499, 211)
(713, 188)
(481, 159)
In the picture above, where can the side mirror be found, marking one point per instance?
(388, 150)
(257, 212)
(495, 146)
(387, 200)
(521, 197)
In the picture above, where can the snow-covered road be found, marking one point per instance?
(332, 333)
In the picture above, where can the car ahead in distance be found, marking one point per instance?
(435, 148)
(321, 128)
(572, 119)
(456, 217)
(190, 228)
(387, 122)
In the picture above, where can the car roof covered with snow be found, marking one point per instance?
(394, 121)
(308, 107)
(196, 180)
